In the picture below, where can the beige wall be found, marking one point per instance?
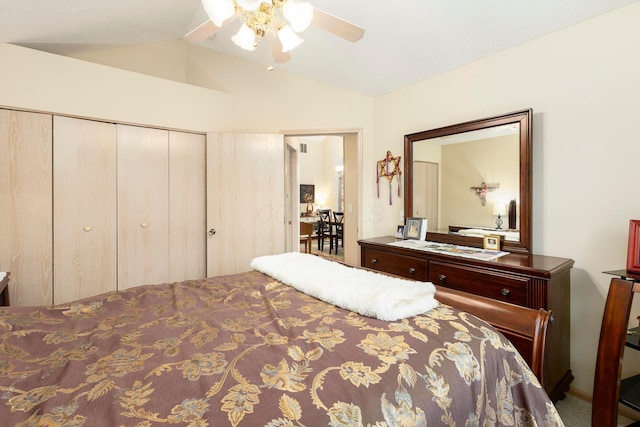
(317, 167)
(582, 83)
(37, 80)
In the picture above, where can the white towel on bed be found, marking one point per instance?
(364, 292)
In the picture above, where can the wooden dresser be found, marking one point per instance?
(533, 281)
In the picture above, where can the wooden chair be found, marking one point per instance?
(338, 229)
(613, 335)
(306, 234)
(324, 229)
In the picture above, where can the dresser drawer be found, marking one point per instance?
(399, 265)
(499, 286)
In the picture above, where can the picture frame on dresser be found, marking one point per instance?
(415, 228)
(491, 242)
(633, 251)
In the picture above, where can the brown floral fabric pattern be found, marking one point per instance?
(246, 350)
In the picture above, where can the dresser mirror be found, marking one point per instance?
(460, 177)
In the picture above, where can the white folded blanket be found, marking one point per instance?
(364, 292)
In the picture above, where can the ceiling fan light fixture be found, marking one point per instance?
(250, 5)
(289, 39)
(245, 38)
(219, 10)
(299, 14)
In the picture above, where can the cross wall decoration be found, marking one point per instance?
(388, 167)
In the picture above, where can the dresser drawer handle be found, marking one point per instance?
(506, 292)
(373, 261)
(412, 270)
(442, 277)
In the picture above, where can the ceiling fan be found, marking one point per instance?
(278, 20)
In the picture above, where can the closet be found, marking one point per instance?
(88, 206)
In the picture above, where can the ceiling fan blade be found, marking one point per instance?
(202, 31)
(337, 26)
(276, 50)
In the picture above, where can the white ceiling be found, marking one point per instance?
(406, 41)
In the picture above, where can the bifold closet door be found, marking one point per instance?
(25, 205)
(187, 204)
(143, 206)
(84, 208)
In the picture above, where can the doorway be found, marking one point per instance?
(339, 189)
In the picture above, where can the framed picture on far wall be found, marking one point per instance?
(415, 228)
(307, 193)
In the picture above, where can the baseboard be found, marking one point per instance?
(622, 409)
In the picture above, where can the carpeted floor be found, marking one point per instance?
(576, 412)
(325, 252)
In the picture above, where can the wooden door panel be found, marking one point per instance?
(25, 205)
(143, 206)
(187, 215)
(245, 199)
(84, 215)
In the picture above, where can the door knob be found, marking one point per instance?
(211, 232)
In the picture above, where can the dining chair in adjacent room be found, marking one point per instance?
(306, 234)
(338, 230)
(324, 229)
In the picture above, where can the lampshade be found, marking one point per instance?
(499, 209)
(288, 38)
(219, 10)
(299, 14)
(245, 38)
(249, 5)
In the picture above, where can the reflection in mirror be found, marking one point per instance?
(444, 167)
(472, 179)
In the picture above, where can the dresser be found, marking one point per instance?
(533, 281)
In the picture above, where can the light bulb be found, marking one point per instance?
(249, 5)
(245, 38)
(299, 14)
(288, 38)
(219, 10)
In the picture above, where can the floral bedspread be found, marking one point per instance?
(246, 350)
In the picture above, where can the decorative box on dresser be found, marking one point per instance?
(534, 281)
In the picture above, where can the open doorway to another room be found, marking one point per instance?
(322, 194)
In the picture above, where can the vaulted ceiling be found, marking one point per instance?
(405, 41)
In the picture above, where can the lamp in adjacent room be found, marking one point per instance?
(499, 210)
(340, 172)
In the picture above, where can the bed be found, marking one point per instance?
(251, 350)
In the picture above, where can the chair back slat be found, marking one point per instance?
(613, 336)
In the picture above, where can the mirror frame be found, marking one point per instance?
(524, 118)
